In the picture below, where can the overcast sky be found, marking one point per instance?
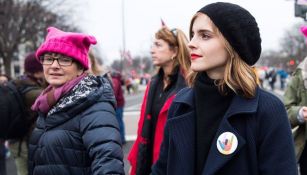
(103, 19)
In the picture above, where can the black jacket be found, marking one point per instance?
(79, 138)
(263, 146)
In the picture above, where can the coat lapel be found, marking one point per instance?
(151, 92)
(182, 131)
(217, 158)
(180, 84)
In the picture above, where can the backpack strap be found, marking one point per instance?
(14, 89)
(26, 88)
(21, 89)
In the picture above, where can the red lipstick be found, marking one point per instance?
(195, 56)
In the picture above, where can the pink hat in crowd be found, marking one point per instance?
(304, 30)
(74, 45)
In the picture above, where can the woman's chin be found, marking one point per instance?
(56, 83)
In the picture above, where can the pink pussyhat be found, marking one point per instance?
(304, 30)
(74, 45)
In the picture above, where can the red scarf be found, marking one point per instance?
(50, 96)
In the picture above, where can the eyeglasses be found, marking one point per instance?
(48, 59)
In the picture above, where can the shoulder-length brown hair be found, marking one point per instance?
(238, 75)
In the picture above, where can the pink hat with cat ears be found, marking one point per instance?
(74, 45)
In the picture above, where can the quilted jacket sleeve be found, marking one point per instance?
(101, 137)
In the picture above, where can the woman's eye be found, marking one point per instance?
(157, 44)
(49, 59)
(205, 36)
(192, 35)
(66, 60)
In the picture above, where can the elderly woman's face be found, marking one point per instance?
(59, 69)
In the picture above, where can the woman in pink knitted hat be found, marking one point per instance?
(76, 131)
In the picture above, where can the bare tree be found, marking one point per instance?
(272, 58)
(116, 65)
(293, 44)
(24, 22)
(140, 64)
(292, 47)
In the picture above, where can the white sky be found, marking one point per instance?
(103, 19)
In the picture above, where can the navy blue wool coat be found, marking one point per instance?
(265, 144)
(80, 139)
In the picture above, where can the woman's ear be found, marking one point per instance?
(81, 72)
(175, 52)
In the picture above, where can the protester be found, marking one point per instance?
(295, 100)
(170, 53)
(283, 75)
(272, 76)
(224, 123)
(76, 131)
(120, 102)
(261, 75)
(129, 84)
(33, 78)
(3, 79)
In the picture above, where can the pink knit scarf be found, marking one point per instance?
(50, 96)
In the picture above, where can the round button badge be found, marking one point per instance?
(227, 143)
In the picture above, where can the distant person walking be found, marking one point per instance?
(283, 75)
(224, 124)
(295, 100)
(272, 76)
(120, 102)
(129, 84)
(170, 53)
(3, 79)
(76, 131)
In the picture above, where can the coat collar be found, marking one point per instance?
(103, 93)
(238, 104)
(182, 129)
(180, 83)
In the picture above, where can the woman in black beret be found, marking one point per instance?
(224, 123)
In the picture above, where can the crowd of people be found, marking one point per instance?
(269, 77)
(206, 109)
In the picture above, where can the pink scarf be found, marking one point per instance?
(50, 96)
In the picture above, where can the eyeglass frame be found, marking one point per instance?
(55, 56)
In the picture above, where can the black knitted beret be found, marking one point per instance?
(239, 28)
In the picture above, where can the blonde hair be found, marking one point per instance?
(176, 39)
(238, 75)
(95, 67)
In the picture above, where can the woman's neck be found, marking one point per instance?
(167, 70)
